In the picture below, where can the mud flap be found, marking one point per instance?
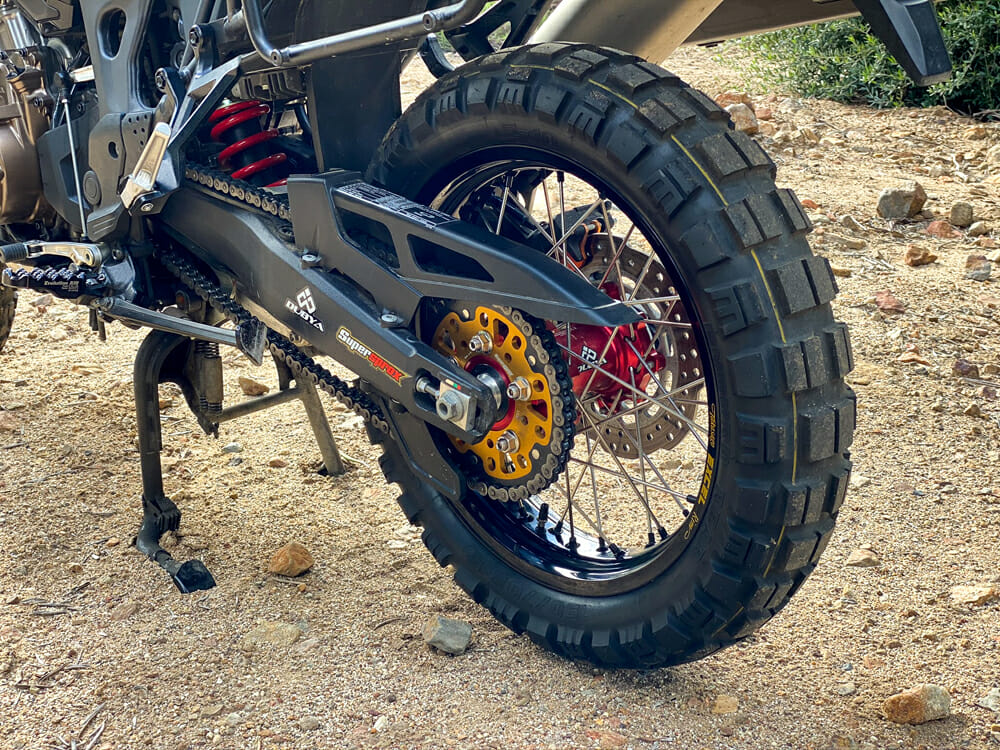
(912, 34)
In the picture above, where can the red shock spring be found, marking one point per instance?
(246, 153)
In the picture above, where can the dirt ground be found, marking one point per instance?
(164, 670)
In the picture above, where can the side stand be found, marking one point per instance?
(196, 367)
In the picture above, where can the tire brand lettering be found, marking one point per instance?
(304, 306)
(376, 360)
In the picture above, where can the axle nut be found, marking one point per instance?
(450, 406)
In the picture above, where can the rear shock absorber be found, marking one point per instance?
(247, 152)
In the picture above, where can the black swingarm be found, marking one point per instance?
(355, 302)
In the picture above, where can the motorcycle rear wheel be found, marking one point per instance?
(771, 418)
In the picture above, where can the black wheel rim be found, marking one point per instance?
(639, 513)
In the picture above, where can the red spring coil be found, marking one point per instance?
(243, 117)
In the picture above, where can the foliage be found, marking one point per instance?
(844, 61)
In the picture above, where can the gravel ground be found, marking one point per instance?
(169, 671)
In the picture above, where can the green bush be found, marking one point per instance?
(843, 61)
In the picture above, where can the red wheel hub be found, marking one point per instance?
(610, 350)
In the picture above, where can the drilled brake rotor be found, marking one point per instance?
(517, 357)
(656, 357)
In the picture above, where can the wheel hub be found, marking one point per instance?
(620, 366)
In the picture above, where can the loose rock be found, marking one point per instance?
(277, 463)
(124, 611)
(851, 223)
(43, 302)
(962, 214)
(978, 229)
(991, 701)
(734, 97)
(902, 202)
(291, 560)
(918, 705)
(965, 369)
(848, 242)
(973, 410)
(251, 387)
(8, 422)
(726, 704)
(743, 118)
(841, 271)
(309, 723)
(976, 594)
(448, 635)
(978, 268)
(887, 302)
(278, 634)
(915, 255)
(942, 229)
(232, 448)
(862, 558)
(381, 723)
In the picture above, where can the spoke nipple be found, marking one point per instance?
(557, 529)
(519, 389)
(481, 343)
(508, 442)
(652, 539)
(572, 544)
(616, 551)
(664, 534)
(602, 545)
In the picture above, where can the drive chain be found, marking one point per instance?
(280, 347)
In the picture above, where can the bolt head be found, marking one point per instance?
(482, 342)
(194, 36)
(147, 207)
(508, 442)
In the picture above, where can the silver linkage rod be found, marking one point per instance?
(410, 27)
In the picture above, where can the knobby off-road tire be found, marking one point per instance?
(8, 305)
(760, 302)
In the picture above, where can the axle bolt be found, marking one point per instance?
(519, 389)
(508, 442)
(481, 343)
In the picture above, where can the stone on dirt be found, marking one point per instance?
(726, 704)
(277, 463)
(743, 118)
(43, 302)
(851, 223)
(862, 558)
(607, 739)
(991, 701)
(849, 242)
(232, 448)
(309, 723)
(124, 611)
(942, 229)
(962, 214)
(965, 369)
(279, 634)
(251, 387)
(978, 229)
(902, 202)
(915, 255)
(8, 422)
(448, 635)
(291, 560)
(918, 705)
(734, 97)
(887, 302)
(975, 594)
(978, 268)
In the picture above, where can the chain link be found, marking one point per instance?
(280, 347)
